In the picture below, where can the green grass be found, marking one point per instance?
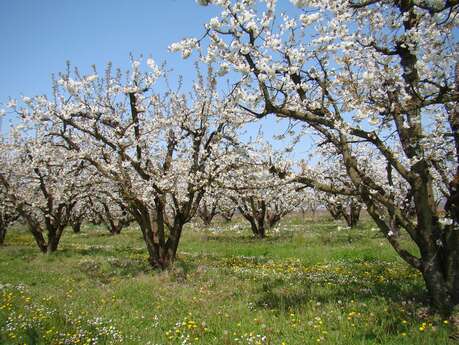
(310, 282)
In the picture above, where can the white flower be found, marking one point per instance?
(11, 103)
(373, 121)
(92, 77)
(214, 23)
(224, 68)
(307, 19)
(298, 3)
(446, 221)
(27, 100)
(245, 50)
(153, 66)
(174, 47)
(186, 53)
(262, 77)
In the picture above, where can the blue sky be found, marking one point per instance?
(39, 36)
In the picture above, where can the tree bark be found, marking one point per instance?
(39, 239)
(258, 230)
(336, 211)
(207, 214)
(161, 253)
(353, 215)
(54, 236)
(2, 234)
(76, 226)
(273, 219)
(442, 296)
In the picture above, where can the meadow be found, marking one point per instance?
(312, 281)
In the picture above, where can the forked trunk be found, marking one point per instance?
(438, 247)
(52, 246)
(161, 252)
(335, 211)
(54, 236)
(115, 229)
(273, 219)
(258, 228)
(352, 217)
(162, 256)
(207, 214)
(207, 219)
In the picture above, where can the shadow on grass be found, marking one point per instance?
(105, 271)
(292, 293)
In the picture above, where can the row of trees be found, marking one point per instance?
(372, 83)
(376, 82)
(111, 150)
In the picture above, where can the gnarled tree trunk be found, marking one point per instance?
(352, 215)
(207, 214)
(336, 210)
(255, 213)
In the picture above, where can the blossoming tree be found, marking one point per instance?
(8, 212)
(371, 71)
(260, 196)
(160, 150)
(42, 182)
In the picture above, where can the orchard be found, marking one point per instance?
(138, 193)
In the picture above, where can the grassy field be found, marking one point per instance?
(310, 282)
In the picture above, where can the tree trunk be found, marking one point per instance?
(174, 238)
(273, 219)
(443, 297)
(54, 236)
(258, 228)
(76, 226)
(39, 239)
(335, 211)
(2, 234)
(207, 219)
(114, 229)
(353, 215)
(161, 253)
(207, 215)
(313, 211)
(452, 265)
(438, 245)
(261, 231)
(52, 246)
